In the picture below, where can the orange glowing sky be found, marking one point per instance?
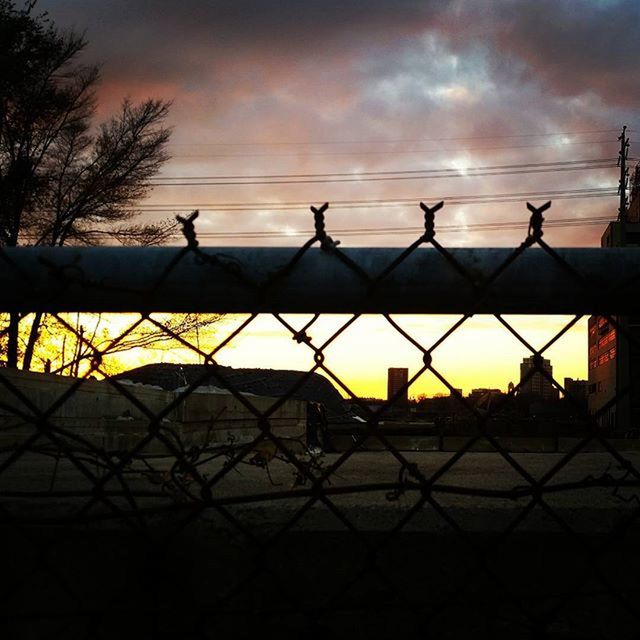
(302, 87)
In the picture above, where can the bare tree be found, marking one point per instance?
(71, 341)
(62, 181)
(92, 182)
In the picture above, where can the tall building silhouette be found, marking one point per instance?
(397, 377)
(538, 384)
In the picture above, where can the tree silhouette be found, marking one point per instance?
(62, 181)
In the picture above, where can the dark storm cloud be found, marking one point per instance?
(571, 47)
(169, 37)
(575, 47)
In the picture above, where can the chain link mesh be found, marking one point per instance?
(183, 533)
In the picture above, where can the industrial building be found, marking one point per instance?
(614, 362)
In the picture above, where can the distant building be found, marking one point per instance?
(537, 385)
(477, 395)
(397, 377)
(483, 398)
(577, 389)
(482, 391)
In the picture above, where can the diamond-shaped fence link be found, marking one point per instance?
(187, 516)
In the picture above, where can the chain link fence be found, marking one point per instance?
(211, 506)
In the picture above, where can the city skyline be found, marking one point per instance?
(464, 358)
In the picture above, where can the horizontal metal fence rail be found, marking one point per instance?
(239, 280)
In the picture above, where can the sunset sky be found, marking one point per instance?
(351, 87)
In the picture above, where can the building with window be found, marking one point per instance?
(614, 362)
(603, 369)
(537, 385)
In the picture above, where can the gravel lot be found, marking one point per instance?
(359, 488)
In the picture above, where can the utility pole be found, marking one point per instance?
(624, 183)
(624, 364)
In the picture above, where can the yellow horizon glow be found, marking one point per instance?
(480, 353)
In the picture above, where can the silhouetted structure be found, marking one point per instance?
(537, 385)
(397, 377)
(577, 390)
(483, 398)
(260, 382)
(614, 363)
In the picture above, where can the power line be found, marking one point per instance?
(532, 165)
(388, 151)
(221, 183)
(451, 199)
(391, 141)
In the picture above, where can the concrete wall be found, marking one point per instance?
(92, 399)
(97, 412)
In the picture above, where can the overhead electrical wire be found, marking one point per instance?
(494, 198)
(221, 183)
(389, 151)
(437, 170)
(391, 175)
(266, 143)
